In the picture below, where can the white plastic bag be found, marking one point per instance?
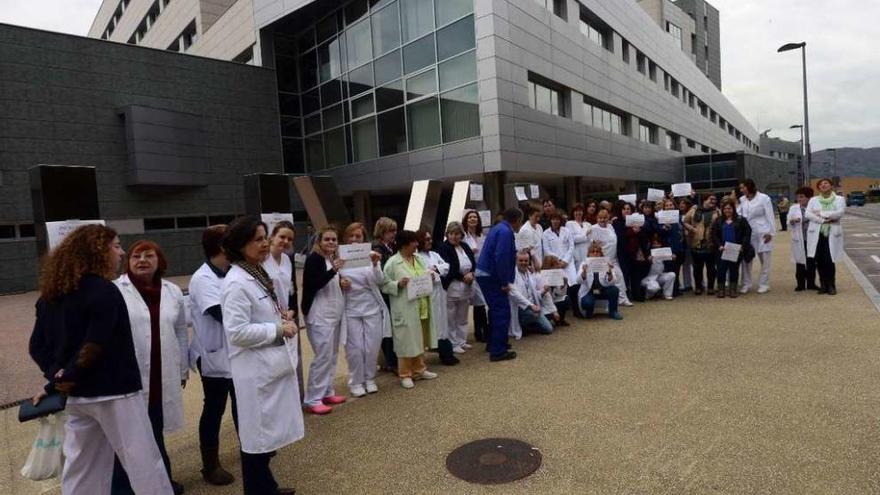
(46, 458)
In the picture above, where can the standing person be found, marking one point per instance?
(825, 233)
(673, 238)
(324, 307)
(161, 343)
(805, 268)
(698, 223)
(410, 319)
(367, 318)
(730, 227)
(757, 208)
(263, 366)
(531, 235)
(784, 205)
(459, 285)
(211, 353)
(591, 211)
(473, 236)
(439, 316)
(686, 281)
(384, 233)
(624, 254)
(559, 242)
(604, 234)
(496, 268)
(83, 343)
(549, 208)
(597, 285)
(579, 228)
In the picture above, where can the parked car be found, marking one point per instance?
(855, 198)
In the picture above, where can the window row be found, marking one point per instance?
(186, 39)
(148, 21)
(558, 7)
(114, 19)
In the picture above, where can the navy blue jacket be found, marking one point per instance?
(498, 256)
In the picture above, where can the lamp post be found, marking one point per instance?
(806, 129)
(801, 176)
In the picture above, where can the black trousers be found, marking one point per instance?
(216, 391)
(824, 264)
(783, 219)
(120, 484)
(704, 259)
(562, 306)
(481, 324)
(256, 476)
(637, 272)
(572, 293)
(677, 263)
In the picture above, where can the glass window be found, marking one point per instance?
(288, 104)
(423, 123)
(386, 30)
(291, 126)
(378, 4)
(360, 46)
(285, 70)
(331, 93)
(313, 124)
(329, 61)
(460, 112)
(449, 10)
(311, 102)
(334, 147)
(421, 85)
(326, 29)
(293, 156)
(388, 67)
(459, 70)
(419, 54)
(417, 17)
(392, 132)
(362, 106)
(355, 11)
(308, 70)
(360, 79)
(315, 153)
(389, 96)
(588, 113)
(363, 135)
(456, 38)
(333, 117)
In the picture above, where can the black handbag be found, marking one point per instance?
(51, 404)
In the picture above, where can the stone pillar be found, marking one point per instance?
(494, 192)
(59, 193)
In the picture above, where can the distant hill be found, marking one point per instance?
(851, 162)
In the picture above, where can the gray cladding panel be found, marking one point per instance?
(165, 147)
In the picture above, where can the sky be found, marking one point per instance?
(842, 65)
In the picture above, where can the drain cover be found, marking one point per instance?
(493, 461)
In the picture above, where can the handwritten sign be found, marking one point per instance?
(682, 190)
(535, 190)
(731, 251)
(635, 220)
(476, 192)
(629, 198)
(553, 278)
(668, 217)
(420, 287)
(520, 193)
(598, 234)
(661, 254)
(355, 255)
(57, 231)
(597, 265)
(485, 217)
(273, 219)
(656, 194)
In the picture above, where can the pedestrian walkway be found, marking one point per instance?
(774, 393)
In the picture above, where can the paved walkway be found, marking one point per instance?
(777, 393)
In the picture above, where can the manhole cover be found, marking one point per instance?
(493, 461)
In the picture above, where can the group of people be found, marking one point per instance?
(119, 347)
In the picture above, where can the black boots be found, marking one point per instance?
(212, 471)
(447, 357)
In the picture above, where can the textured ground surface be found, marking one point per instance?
(776, 393)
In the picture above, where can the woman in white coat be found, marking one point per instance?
(439, 311)
(579, 228)
(473, 236)
(604, 234)
(531, 236)
(558, 241)
(157, 315)
(757, 208)
(805, 268)
(825, 233)
(263, 367)
(366, 316)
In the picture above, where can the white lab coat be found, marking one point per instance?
(522, 295)
(658, 278)
(209, 338)
(835, 237)
(561, 245)
(476, 244)
(439, 312)
(174, 340)
(283, 273)
(607, 238)
(798, 250)
(532, 237)
(759, 212)
(580, 234)
(263, 370)
(586, 281)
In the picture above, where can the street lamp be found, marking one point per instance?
(801, 177)
(806, 129)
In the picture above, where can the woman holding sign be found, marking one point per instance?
(731, 233)
(409, 284)
(603, 234)
(559, 242)
(323, 305)
(473, 236)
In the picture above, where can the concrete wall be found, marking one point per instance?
(60, 105)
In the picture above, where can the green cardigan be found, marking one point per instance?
(406, 326)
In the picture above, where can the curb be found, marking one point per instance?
(869, 289)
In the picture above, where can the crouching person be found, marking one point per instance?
(526, 292)
(661, 275)
(595, 285)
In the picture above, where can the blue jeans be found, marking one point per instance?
(499, 315)
(530, 320)
(727, 270)
(610, 294)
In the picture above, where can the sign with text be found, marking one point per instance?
(668, 217)
(629, 198)
(420, 287)
(273, 219)
(553, 278)
(656, 194)
(635, 220)
(682, 190)
(597, 265)
(57, 231)
(355, 255)
(661, 254)
(731, 251)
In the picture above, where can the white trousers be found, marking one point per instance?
(620, 283)
(764, 281)
(95, 431)
(363, 341)
(652, 285)
(457, 315)
(686, 279)
(325, 344)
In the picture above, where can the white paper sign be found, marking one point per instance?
(355, 255)
(600, 235)
(635, 220)
(656, 194)
(661, 254)
(553, 278)
(597, 265)
(476, 192)
(273, 219)
(485, 218)
(520, 193)
(535, 191)
(57, 231)
(629, 198)
(682, 190)
(420, 287)
(731, 251)
(668, 217)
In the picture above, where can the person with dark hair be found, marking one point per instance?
(211, 354)
(731, 228)
(548, 208)
(411, 320)
(161, 342)
(440, 318)
(595, 285)
(559, 242)
(279, 265)
(661, 275)
(384, 234)
(604, 234)
(83, 344)
(784, 205)
(260, 336)
(672, 237)
(757, 208)
(459, 285)
(591, 210)
(698, 224)
(531, 234)
(686, 278)
(474, 238)
(825, 233)
(805, 268)
(496, 270)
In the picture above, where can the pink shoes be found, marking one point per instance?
(319, 410)
(333, 400)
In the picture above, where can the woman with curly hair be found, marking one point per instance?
(82, 342)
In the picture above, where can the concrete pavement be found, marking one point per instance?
(774, 393)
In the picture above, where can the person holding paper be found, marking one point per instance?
(579, 229)
(805, 268)
(473, 237)
(531, 235)
(526, 295)
(323, 305)
(686, 279)
(603, 234)
(757, 208)
(825, 233)
(733, 229)
(698, 223)
(673, 238)
(595, 285)
(556, 299)
(384, 233)
(660, 274)
(459, 285)
(367, 318)
(440, 317)
(411, 324)
(559, 242)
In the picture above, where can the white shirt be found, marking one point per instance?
(607, 238)
(360, 299)
(329, 304)
(525, 290)
(209, 338)
(476, 243)
(282, 272)
(759, 212)
(457, 289)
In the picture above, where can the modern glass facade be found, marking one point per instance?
(376, 78)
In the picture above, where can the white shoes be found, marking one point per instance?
(763, 289)
(458, 350)
(371, 387)
(668, 298)
(358, 391)
(627, 303)
(744, 289)
(427, 375)
(466, 346)
(407, 383)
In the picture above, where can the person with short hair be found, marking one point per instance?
(784, 205)
(531, 234)
(384, 234)
(731, 228)
(597, 285)
(526, 293)
(805, 267)
(459, 284)
(440, 318)
(825, 233)
(757, 208)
